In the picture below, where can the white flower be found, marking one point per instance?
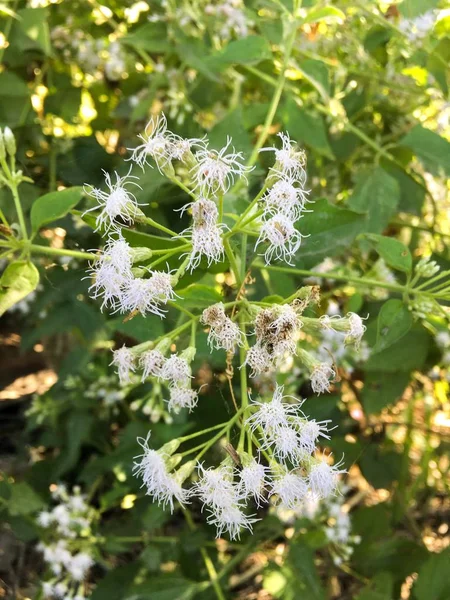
(258, 359)
(108, 283)
(323, 478)
(60, 589)
(252, 480)
(320, 378)
(443, 339)
(44, 518)
(162, 289)
(204, 212)
(285, 443)
(216, 170)
(176, 370)
(357, 329)
(161, 486)
(226, 335)
(289, 160)
(230, 519)
(286, 321)
(284, 240)
(426, 267)
(48, 589)
(79, 565)
(310, 431)
(123, 359)
(157, 144)
(151, 363)
(215, 487)
(206, 241)
(181, 397)
(117, 203)
(285, 198)
(291, 489)
(273, 415)
(144, 296)
(117, 251)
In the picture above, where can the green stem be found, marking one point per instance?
(345, 278)
(156, 225)
(191, 436)
(62, 252)
(183, 187)
(19, 211)
(276, 97)
(206, 559)
(233, 262)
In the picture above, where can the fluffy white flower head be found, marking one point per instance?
(124, 360)
(283, 238)
(320, 377)
(117, 203)
(151, 363)
(216, 169)
(289, 160)
(182, 397)
(291, 489)
(323, 478)
(157, 144)
(230, 519)
(176, 370)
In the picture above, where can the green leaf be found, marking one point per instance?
(246, 51)
(306, 583)
(151, 37)
(307, 127)
(327, 13)
(377, 194)
(380, 466)
(382, 389)
(431, 149)
(405, 355)
(24, 500)
(330, 229)
(53, 206)
(116, 584)
(164, 587)
(18, 280)
(34, 23)
(395, 254)
(380, 588)
(199, 296)
(434, 581)
(394, 321)
(78, 429)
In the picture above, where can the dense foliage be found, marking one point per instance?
(224, 246)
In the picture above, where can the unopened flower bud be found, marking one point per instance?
(141, 254)
(10, 141)
(2, 147)
(185, 471)
(173, 461)
(169, 448)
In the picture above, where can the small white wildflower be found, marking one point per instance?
(108, 283)
(123, 359)
(118, 203)
(320, 377)
(287, 320)
(216, 170)
(206, 241)
(151, 363)
(285, 443)
(231, 519)
(443, 339)
(226, 335)
(252, 481)
(176, 370)
(258, 359)
(157, 144)
(162, 289)
(48, 589)
(161, 486)
(309, 432)
(284, 240)
(117, 251)
(44, 518)
(79, 565)
(285, 198)
(204, 212)
(181, 397)
(290, 488)
(273, 415)
(357, 329)
(323, 478)
(289, 160)
(215, 487)
(60, 589)
(143, 296)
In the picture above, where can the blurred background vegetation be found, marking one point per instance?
(367, 96)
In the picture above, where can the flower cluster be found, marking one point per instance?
(277, 332)
(284, 202)
(417, 29)
(67, 555)
(223, 333)
(293, 472)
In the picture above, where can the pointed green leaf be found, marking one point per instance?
(394, 321)
(53, 206)
(396, 254)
